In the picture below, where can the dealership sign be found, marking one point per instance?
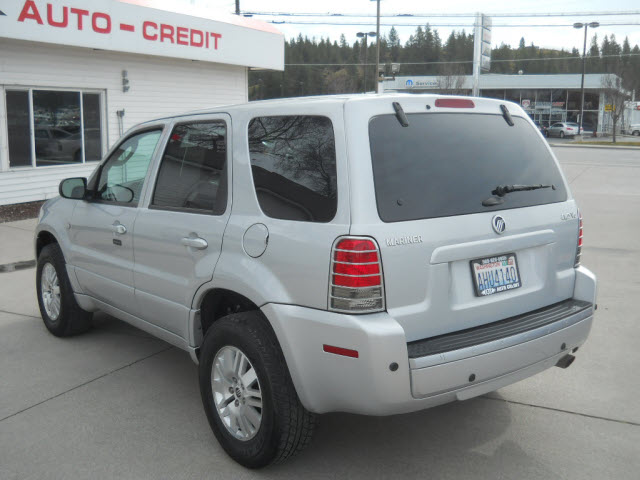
(128, 26)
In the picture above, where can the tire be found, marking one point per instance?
(636, 133)
(561, 134)
(64, 317)
(285, 427)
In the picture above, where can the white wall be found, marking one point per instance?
(159, 87)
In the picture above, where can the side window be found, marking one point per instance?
(293, 161)
(192, 174)
(123, 174)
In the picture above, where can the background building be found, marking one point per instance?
(74, 75)
(546, 98)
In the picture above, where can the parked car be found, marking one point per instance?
(634, 129)
(542, 128)
(57, 145)
(565, 129)
(333, 254)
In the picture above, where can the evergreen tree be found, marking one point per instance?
(425, 53)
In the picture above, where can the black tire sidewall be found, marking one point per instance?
(53, 255)
(261, 449)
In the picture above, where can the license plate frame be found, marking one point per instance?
(497, 282)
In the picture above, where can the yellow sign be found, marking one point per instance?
(609, 108)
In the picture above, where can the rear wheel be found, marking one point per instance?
(636, 133)
(60, 312)
(561, 134)
(248, 395)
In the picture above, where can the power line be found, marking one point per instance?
(463, 25)
(462, 61)
(449, 15)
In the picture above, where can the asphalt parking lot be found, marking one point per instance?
(117, 403)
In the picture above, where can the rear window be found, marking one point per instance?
(446, 164)
(293, 162)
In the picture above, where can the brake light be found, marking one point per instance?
(455, 103)
(356, 284)
(579, 247)
(569, 128)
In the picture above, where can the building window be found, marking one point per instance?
(53, 127)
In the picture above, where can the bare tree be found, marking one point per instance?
(452, 80)
(615, 96)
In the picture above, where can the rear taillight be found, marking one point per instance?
(569, 128)
(356, 284)
(579, 247)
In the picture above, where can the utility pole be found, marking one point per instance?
(584, 65)
(378, 50)
(477, 53)
(237, 7)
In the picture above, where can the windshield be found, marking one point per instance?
(446, 164)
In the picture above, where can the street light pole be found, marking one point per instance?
(365, 35)
(579, 25)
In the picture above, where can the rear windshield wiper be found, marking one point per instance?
(400, 115)
(502, 190)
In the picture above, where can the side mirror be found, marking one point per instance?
(73, 188)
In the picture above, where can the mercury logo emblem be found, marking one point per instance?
(498, 224)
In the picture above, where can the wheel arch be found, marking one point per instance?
(216, 303)
(44, 238)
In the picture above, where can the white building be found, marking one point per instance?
(547, 98)
(74, 75)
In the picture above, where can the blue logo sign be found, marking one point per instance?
(409, 83)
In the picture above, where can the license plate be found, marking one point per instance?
(495, 274)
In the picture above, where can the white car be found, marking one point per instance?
(564, 129)
(366, 254)
(634, 129)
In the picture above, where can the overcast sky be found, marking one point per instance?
(552, 37)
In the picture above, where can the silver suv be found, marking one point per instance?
(334, 254)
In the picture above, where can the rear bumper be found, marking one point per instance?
(326, 382)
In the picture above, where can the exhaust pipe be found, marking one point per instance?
(566, 361)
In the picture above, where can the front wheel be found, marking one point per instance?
(248, 395)
(561, 134)
(60, 312)
(636, 133)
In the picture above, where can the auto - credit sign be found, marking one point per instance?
(132, 26)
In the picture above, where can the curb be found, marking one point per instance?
(584, 145)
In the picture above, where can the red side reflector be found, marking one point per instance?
(345, 352)
(455, 103)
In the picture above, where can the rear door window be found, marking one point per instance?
(293, 162)
(192, 175)
(446, 164)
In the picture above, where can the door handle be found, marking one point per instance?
(194, 242)
(118, 228)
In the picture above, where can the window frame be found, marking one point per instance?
(96, 180)
(335, 147)
(81, 92)
(196, 211)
